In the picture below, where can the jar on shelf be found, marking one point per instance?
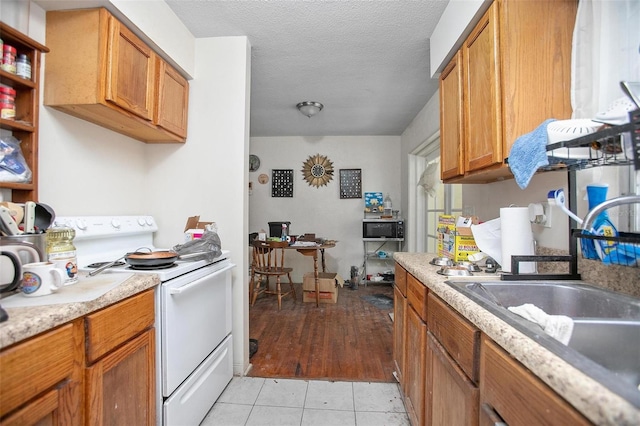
(7, 103)
(8, 58)
(23, 66)
(62, 252)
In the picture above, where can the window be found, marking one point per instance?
(428, 196)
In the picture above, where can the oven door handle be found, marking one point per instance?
(185, 288)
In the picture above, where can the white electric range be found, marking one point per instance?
(194, 357)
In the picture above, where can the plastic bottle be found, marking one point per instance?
(602, 225)
(388, 206)
(284, 234)
(62, 252)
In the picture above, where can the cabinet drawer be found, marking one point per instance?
(36, 365)
(511, 392)
(460, 339)
(401, 279)
(417, 296)
(112, 326)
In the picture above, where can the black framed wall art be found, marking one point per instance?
(350, 183)
(282, 183)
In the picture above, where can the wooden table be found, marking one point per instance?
(313, 251)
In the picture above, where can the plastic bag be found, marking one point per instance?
(13, 167)
(209, 246)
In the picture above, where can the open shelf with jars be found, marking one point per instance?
(24, 126)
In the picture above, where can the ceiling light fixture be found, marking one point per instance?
(309, 108)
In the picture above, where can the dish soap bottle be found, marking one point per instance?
(597, 194)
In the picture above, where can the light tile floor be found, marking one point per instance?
(253, 401)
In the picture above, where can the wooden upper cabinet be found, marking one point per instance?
(515, 72)
(173, 100)
(451, 124)
(482, 107)
(131, 71)
(100, 71)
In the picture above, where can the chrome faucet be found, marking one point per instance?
(587, 224)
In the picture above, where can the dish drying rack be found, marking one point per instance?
(606, 148)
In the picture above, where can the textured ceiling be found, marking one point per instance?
(366, 61)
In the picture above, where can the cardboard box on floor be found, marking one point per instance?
(455, 242)
(328, 283)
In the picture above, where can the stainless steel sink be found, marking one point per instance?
(605, 342)
(614, 344)
(573, 300)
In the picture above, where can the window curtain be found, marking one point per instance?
(606, 43)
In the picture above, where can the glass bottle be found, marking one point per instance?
(62, 252)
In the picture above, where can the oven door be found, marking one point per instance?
(195, 312)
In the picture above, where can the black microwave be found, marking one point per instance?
(375, 229)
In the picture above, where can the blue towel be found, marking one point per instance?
(528, 153)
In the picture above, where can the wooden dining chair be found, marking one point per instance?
(268, 261)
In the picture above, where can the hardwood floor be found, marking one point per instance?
(349, 340)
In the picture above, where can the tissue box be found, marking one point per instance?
(455, 242)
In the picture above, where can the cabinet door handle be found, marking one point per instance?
(493, 415)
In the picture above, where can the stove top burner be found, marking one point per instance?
(151, 268)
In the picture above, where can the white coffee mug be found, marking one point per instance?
(41, 278)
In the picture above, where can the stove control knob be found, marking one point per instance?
(115, 223)
(149, 221)
(141, 221)
(81, 224)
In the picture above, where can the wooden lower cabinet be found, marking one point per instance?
(41, 379)
(452, 374)
(511, 394)
(451, 398)
(399, 326)
(95, 370)
(120, 374)
(121, 386)
(415, 363)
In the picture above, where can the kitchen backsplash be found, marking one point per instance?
(622, 279)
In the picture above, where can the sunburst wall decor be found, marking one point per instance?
(317, 170)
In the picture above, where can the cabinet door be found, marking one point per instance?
(173, 100)
(130, 71)
(483, 110)
(451, 122)
(41, 378)
(415, 362)
(121, 387)
(452, 399)
(510, 392)
(399, 326)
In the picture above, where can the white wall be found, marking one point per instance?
(452, 28)
(88, 170)
(320, 210)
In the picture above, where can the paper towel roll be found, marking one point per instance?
(517, 238)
